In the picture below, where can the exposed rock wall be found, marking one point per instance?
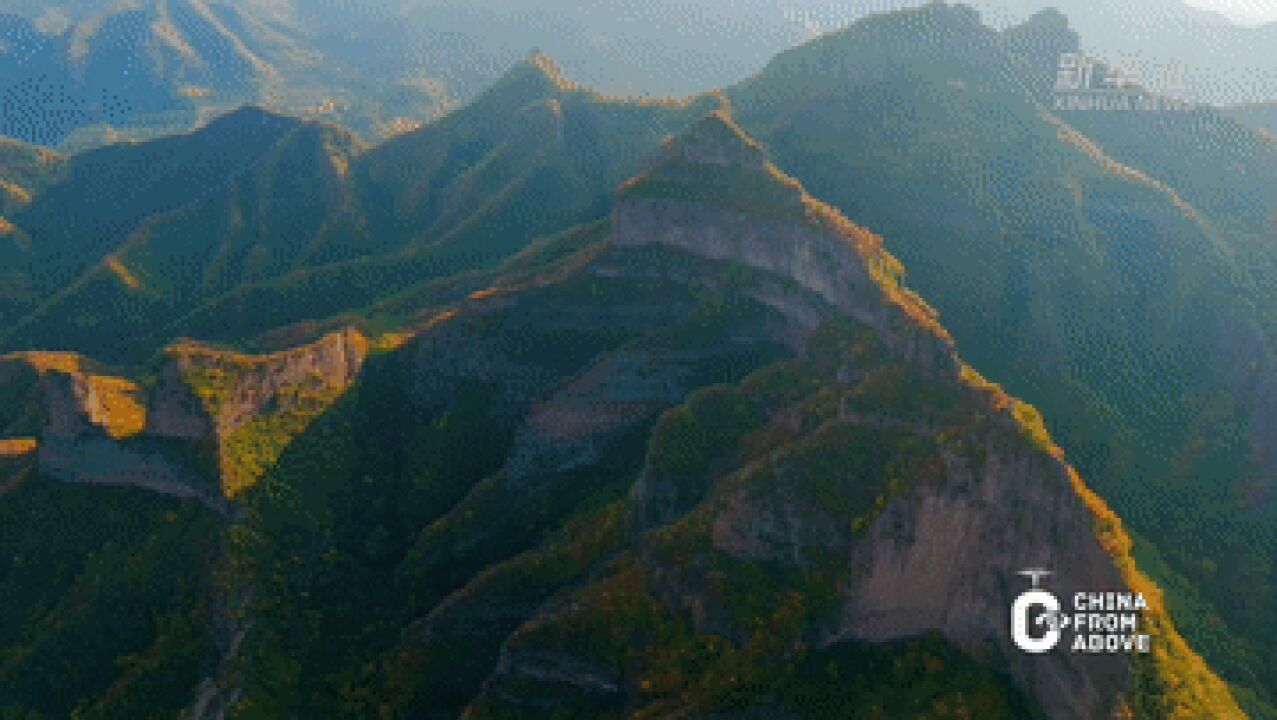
(252, 384)
(944, 557)
(106, 430)
(940, 555)
(813, 260)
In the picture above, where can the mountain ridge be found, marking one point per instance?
(842, 353)
(394, 485)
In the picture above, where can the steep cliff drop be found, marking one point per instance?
(182, 435)
(717, 460)
(883, 491)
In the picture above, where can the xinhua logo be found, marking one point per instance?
(1100, 622)
(1084, 83)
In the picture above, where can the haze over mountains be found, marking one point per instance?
(80, 74)
(749, 457)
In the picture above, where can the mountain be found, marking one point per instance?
(124, 65)
(101, 198)
(1175, 48)
(1111, 267)
(25, 170)
(238, 245)
(624, 320)
(83, 74)
(752, 473)
(1127, 279)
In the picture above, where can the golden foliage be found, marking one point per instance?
(43, 361)
(119, 409)
(122, 273)
(17, 447)
(194, 354)
(556, 76)
(110, 402)
(1191, 688)
(15, 191)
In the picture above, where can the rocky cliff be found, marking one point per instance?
(713, 193)
(715, 460)
(176, 436)
(881, 492)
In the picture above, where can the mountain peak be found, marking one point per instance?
(545, 65)
(250, 115)
(1041, 39)
(536, 77)
(717, 140)
(712, 193)
(716, 162)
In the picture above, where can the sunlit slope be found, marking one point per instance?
(307, 226)
(264, 220)
(714, 411)
(25, 170)
(101, 198)
(1119, 287)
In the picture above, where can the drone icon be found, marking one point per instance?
(1053, 619)
(1035, 575)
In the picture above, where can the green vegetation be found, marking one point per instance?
(925, 677)
(247, 249)
(474, 491)
(250, 451)
(621, 631)
(749, 192)
(1105, 270)
(714, 163)
(20, 411)
(690, 440)
(105, 613)
(384, 511)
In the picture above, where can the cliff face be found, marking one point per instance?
(945, 557)
(720, 462)
(929, 541)
(882, 493)
(237, 389)
(91, 426)
(712, 193)
(98, 428)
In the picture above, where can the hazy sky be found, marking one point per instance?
(1244, 11)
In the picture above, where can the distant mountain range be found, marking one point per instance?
(563, 401)
(79, 74)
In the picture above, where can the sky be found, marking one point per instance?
(1250, 12)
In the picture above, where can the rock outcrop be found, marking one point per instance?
(964, 488)
(236, 389)
(93, 428)
(712, 193)
(97, 427)
(945, 556)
